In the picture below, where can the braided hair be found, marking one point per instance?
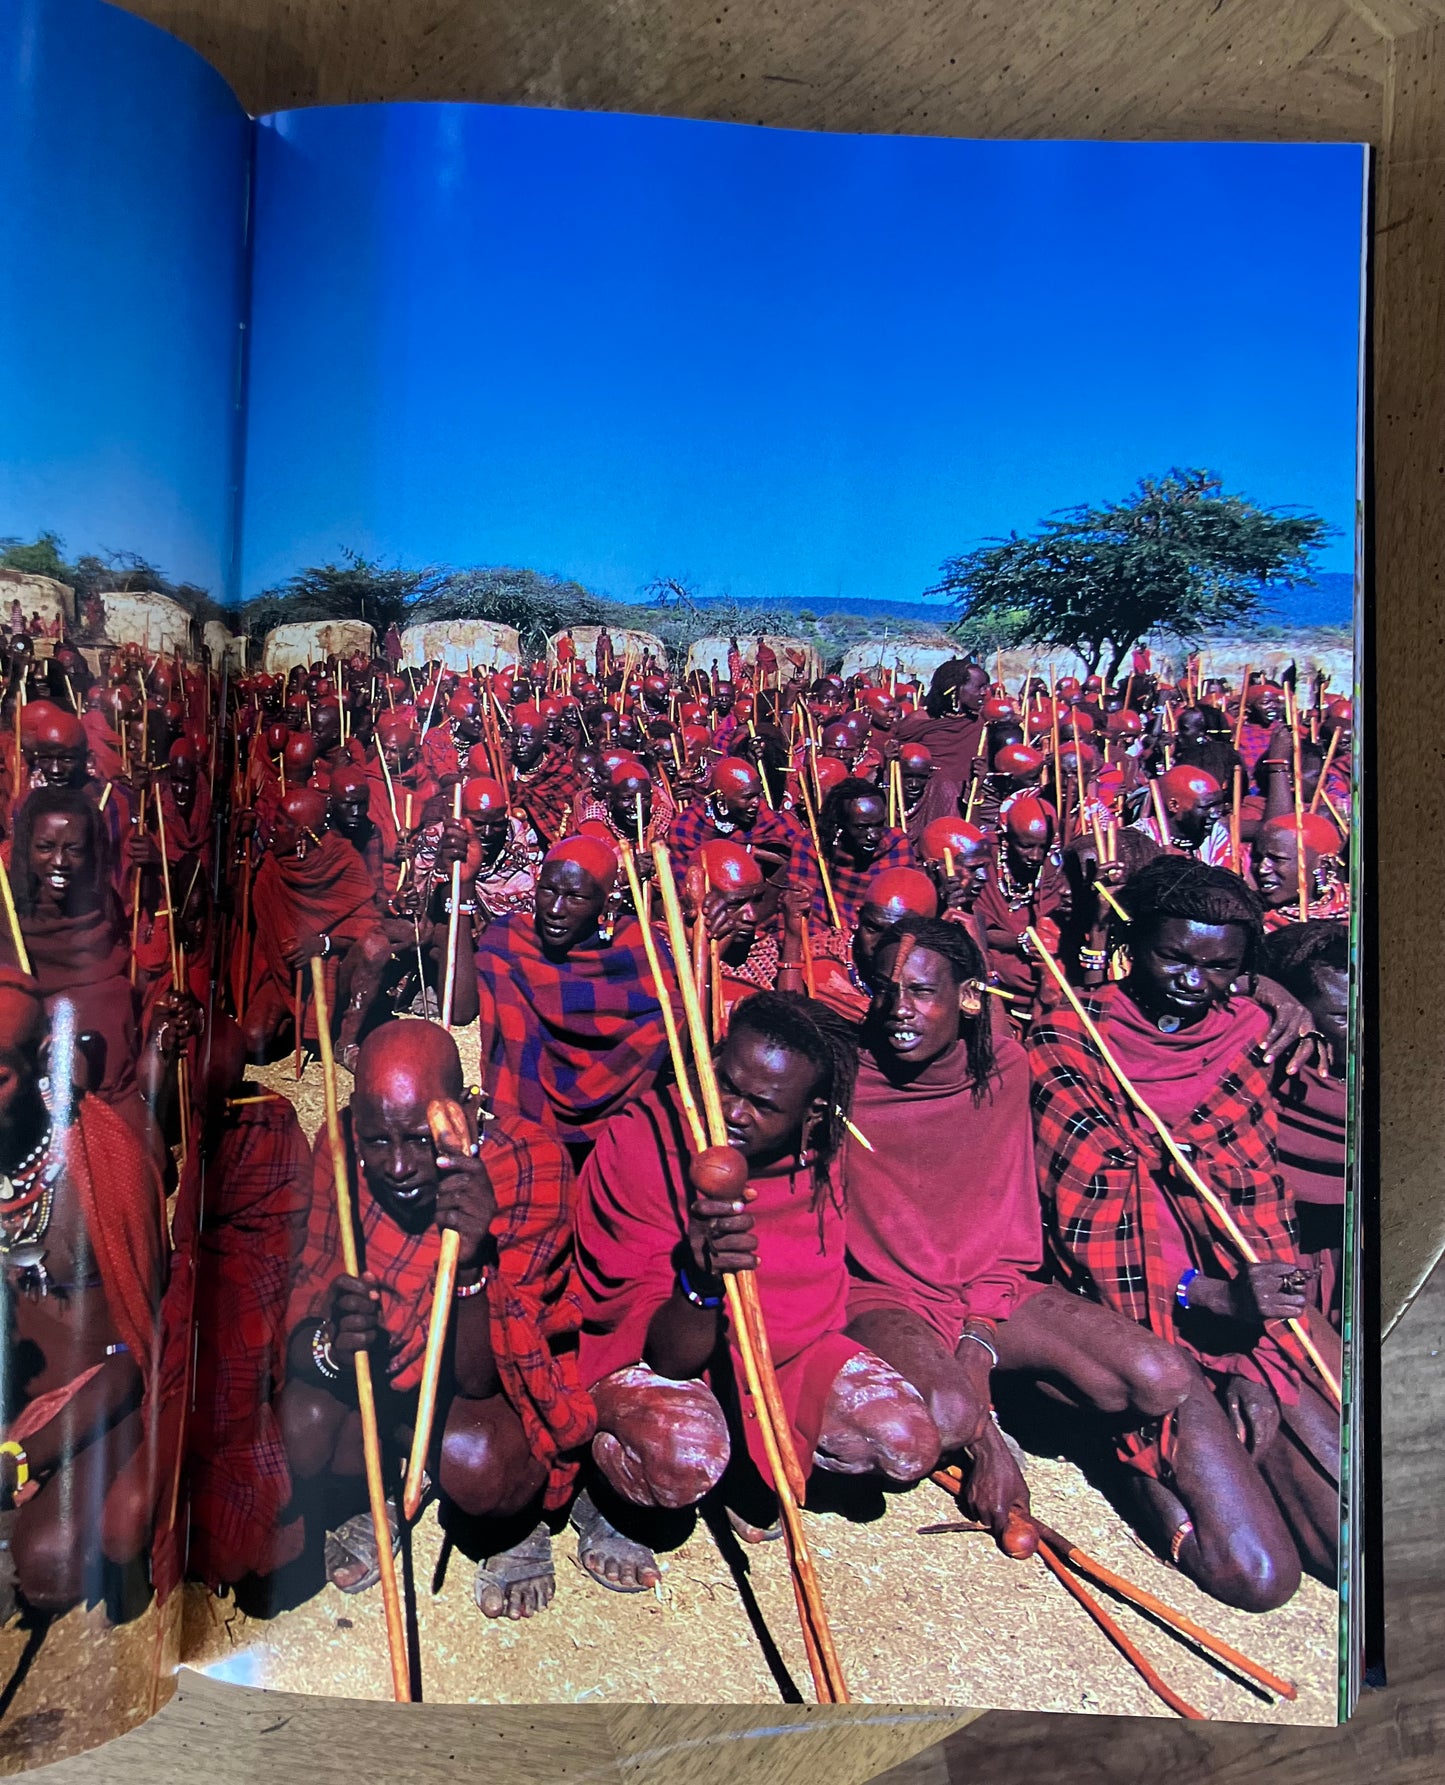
(802, 1025)
(947, 679)
(1173, 886)
(955, 946)
(1300, 952)
(74, 803)
(830, 819)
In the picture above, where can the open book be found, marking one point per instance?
(678, 967)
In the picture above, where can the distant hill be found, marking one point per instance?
(1327, 601)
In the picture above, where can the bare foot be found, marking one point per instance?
(754, 1533)
(517, 1582)
(995, 1493)
(613, 1561)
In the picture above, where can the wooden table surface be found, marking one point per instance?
(1363, 70)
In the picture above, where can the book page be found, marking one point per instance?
(123, 181)
(792, 877)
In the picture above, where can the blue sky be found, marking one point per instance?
(122, 194)
(785, 365)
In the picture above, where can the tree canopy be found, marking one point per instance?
(1179, 556)
(102, 573)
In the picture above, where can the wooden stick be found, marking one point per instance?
(1160, 816)
(1116, 1636)
(135, 890)
(1166, 1614)
(449, 1133)
(746, 1318)
(12, 917)
(1301, 864)
(365, 1394)
(810, 978)
(453, 920)
(824, 875)
(1236, 852)
(669, 1019)
(1324, 770)
(1243, 703)
(1205, 1191)
(297, 1011)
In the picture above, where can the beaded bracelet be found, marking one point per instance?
(698, 1301)
(326, 1364)
(465, 1291)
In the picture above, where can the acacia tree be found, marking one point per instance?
(1178, 556)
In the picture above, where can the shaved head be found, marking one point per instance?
(408, 1062)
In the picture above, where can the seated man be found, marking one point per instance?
(85, 1236)
(734, 811)
(1026, 888)
(944, 1238)
(672, 1403)
(544, 781)
(313, 896)
(510, 1407)
(1312, 961)
(1240, 1482)
(1275, 864)
(573, 1024)
(1193, 804)
(857, 846)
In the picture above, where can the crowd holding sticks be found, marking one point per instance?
(854, 1057)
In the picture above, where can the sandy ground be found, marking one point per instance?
(917, 1619)
(82, 1682)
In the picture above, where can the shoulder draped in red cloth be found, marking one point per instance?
(850, 882)
(328, 892)
(953, 742)
(1118, 1219)
(575, 1040)
(547, 792)
(1313, 1109)
(943, 1212)
(189, 834)
(631, 1218)
(533, 1301)
(86, 959)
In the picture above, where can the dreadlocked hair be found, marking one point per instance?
(1300, 953)
(73, 803)
(957, 948)
(830, 819)
(802, 1025)
(1173, 886)
(947, 678)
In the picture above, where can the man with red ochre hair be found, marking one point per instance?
(734, 811)
(571, 1024)
(511, 1410)
(1194, 806)
(448, 750)
(412, 785)
(1274, 858)
(545, 784)
(312, 896)
(1025, 888)
(845, 986)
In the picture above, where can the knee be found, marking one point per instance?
(374, 948)
(49, 1563)
(660, 1443)
(483, 1476)
(1257, 1577)
(958, 1420)
(1159, 1378)
(904, 1437)
(308, 1423)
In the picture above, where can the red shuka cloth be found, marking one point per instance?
(254, 1195)
(631, 1218)
(189, 834)
(1312, 1113)
(572, 1041)
(943, 1214)
(86, 959)
(953, 742)
(547, 793)
(532, 1301)
(328, 892)
(1115, 1210)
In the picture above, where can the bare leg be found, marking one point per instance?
(1302, 1468)
(487, 1466)
(59, 1536)
(659, 1442)
(917, 1353)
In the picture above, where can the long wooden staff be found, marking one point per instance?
(1181, 1160)
(450, 1134)
(12, 917)
(1301, 863)
(1243, 703)
(453, 920)
(1324, 770)
(669, 1019)
(746, 1317)
(826, 877)
(135, 890)
(951, 1481)
(365, 1394)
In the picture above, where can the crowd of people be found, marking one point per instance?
(955, 946)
